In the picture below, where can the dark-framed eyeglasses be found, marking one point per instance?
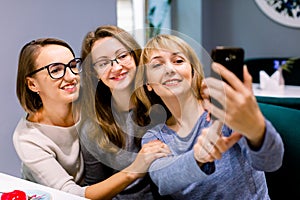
(58, 70)
(124, 58)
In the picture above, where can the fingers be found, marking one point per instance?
(217, 91)
(217, 106)
(227, 142)
(148, 153)
(234, 82)
(236, 99)
(223, 145)
(201, 154)
(214, 110)
(155, 146)
(211, 144)
(247, 78)
(206, 149)
(204, 95)
(153, 150)
(154, 142)
(205, 98)
(227, 75)
(204, 154)
(232, 139)
(212, 135)
(214, 131)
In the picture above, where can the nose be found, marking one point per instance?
(69, 74)
(112, 61)
(169, 69)
(115, 66)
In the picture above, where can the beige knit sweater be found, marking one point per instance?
(50, 155)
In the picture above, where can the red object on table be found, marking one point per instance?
(14, 195)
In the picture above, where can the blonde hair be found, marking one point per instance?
(169, 43)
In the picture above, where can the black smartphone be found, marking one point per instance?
(233, 59)
(230, 57)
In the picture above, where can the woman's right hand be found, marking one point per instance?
(148, 153)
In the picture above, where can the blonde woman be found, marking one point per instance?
(206, 162)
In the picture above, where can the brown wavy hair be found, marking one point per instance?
(96, 96)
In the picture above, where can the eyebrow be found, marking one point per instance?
(176, 53)
(173, 54)
(154, 58)
(115, 54)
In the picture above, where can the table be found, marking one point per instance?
(289, 91)
(288, 97)
(9, 183)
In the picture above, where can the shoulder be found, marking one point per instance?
(153, 133)
(26, 130)
(31, 136)
(29, 140)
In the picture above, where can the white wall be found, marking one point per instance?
(23, 21)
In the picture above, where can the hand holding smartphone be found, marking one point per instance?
(233, 59)
(230, 57)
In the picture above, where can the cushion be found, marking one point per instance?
(286, 180)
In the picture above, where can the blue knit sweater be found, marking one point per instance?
(239, 174)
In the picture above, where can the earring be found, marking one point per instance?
(37, 92)
(149, 87)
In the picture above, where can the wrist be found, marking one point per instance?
(131, 176)
(258, 134)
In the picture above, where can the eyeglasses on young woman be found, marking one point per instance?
(58, 70)
(124, 58)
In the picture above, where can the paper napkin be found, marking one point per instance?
(273, 82)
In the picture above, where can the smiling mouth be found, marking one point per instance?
(69, 86)
(171, 82)
(120, 76)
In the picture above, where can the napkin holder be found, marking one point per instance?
(275, 82)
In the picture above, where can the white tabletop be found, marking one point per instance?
(9, 183)
(289, 91)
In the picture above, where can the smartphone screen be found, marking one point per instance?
(230, 57)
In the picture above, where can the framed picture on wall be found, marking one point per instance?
(285, 12)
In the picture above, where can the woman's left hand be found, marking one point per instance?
(211, 144)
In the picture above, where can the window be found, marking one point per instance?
(131, 17)
(125, 14)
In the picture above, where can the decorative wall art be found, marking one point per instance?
(285, 12)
